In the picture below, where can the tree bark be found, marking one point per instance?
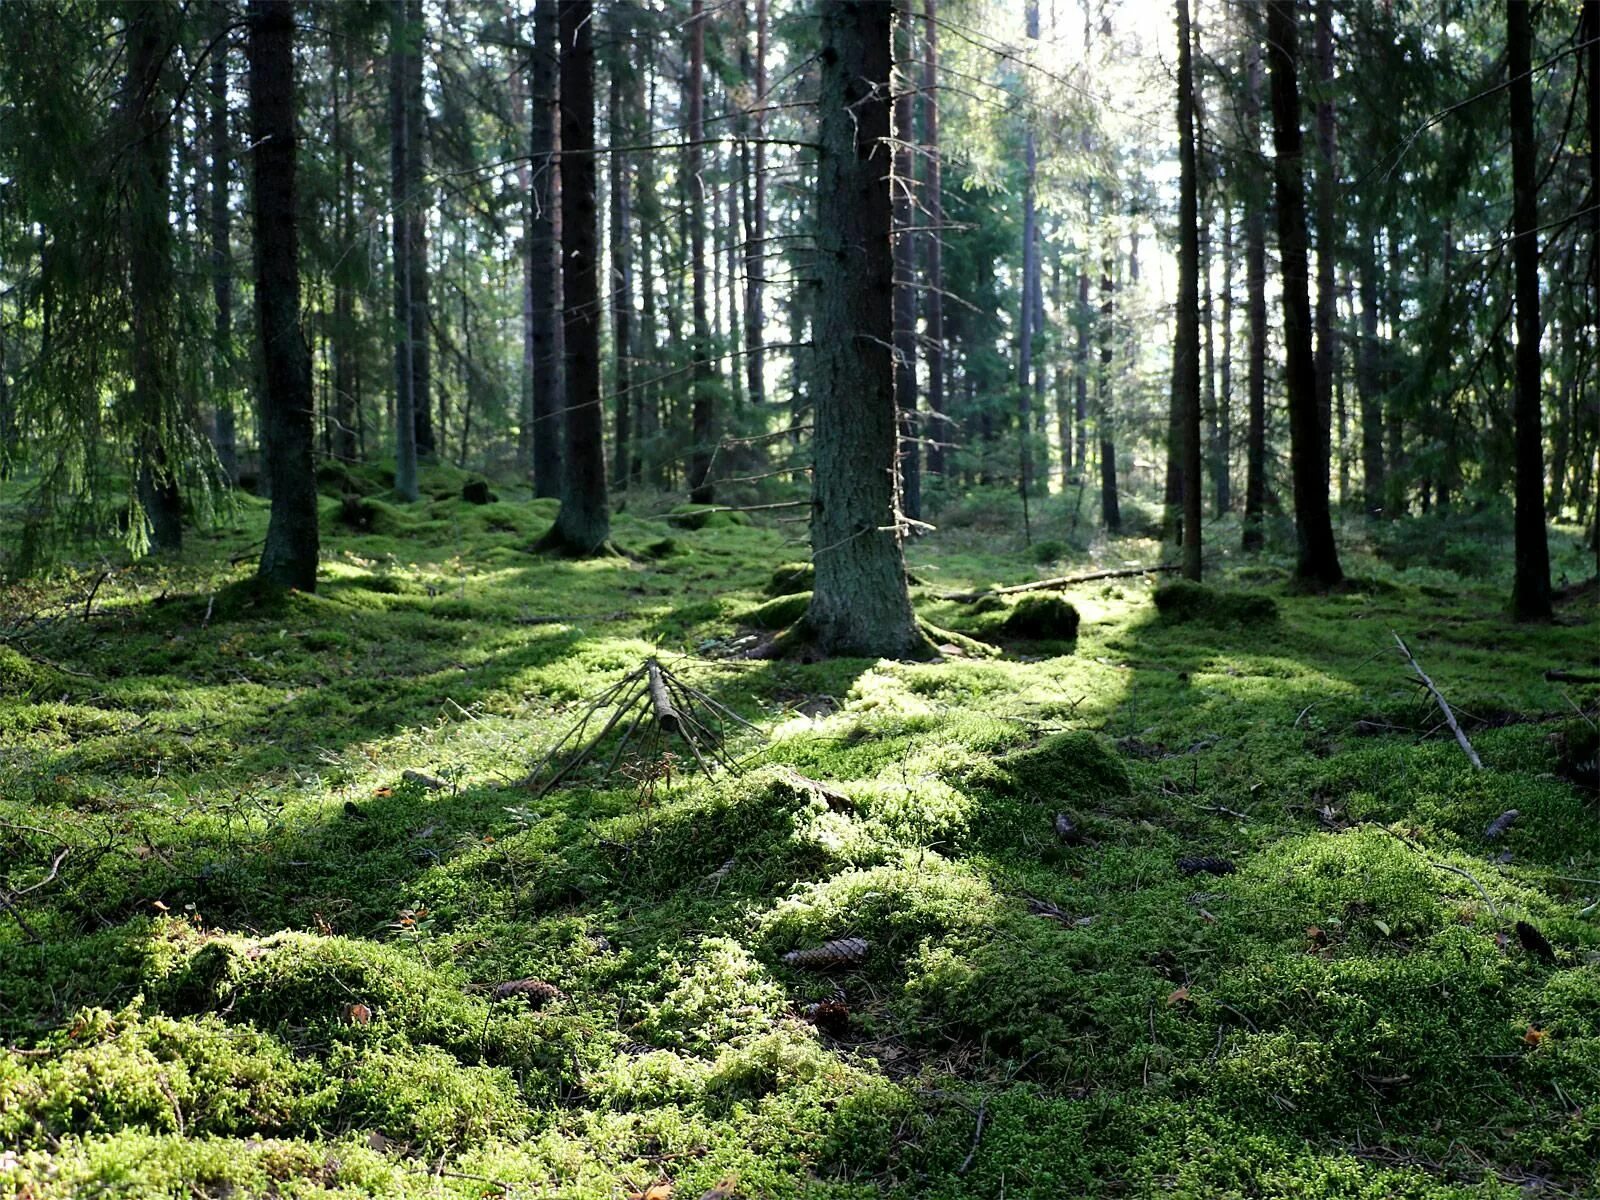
(620, 123)
(1530, 589)
(226, 437)
(860, 605)
(344, 333)
(289, 558)
(1224, 480)
(905, 268)
(1367, 381)
(1326, 360)
(583, 524)
(755, 219)
(1255, 286)
(1318, 561)
(936, 432)
(1110, 508)
(150, 276)
(411, 390)
(1026, 307)
(1186, 351)
(703, 412)
(544, 250)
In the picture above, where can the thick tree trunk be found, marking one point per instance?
(411, 392)
(620, 124)
(544, 251)
(150, 276)
(1255, 287)
(1186, 351)
(226, 435)
(1530, 589)
(860, 605)
(289, 558)
(703, 412)
(905, 269)
(1318, 561)
(936, 432)
(583, 525)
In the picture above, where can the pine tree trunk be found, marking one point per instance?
(621, 85)
(226, 439)
(343, 342)
(1110, 509)
(409, 399)
(905, 268)
(150, 276)
(289, 558)
(1368, 387)
(936, 431)
(1224, 481)
(755, 221)
(1530, 589)
(1186, 351)
(583, 524)
(860, 605)
(1255, 286)
(1063, 400)
(1318, 561)
(1326, 359)
(703, 411)
(544, 251)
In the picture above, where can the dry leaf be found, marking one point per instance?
(656, 1191)
(357, 1014)
(723, 1190)
(1179, 996)
(1317, 936)
(1535, 1035)
(159, 906)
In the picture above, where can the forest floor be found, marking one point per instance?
(264, 965)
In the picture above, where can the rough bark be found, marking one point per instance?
(936, 432)
(1530, 589)
(1255, 284)
(1186, 351)
(755, 219)
(583, 524)
(703, 412)
(1224, 468)
(289, 558)
(1326, 360)
(410, 389)
(1367, 386)
(544, 250)
(905, 270)
(620, 125)
(150, 270)
(1110, 508)
(344, 332)
(225, 430)
(1318, 559)
(860, 605)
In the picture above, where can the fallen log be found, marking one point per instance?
(1060, 581)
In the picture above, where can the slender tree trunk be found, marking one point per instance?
(583, 524)
(525, 409)
(289, 558)
(1026, 308)
(621, 85)
(1186, 352)
(1080, 383)
(1318, 556)
(905, 268)
(1224, 482)
(151, 286)
(736, 377)
(1367, 384)
(755, 219)
(1063, 400)
(409, 398)
(936, 432)
(703, 413)
(1397, 468)
(544, 251)
(860, 605)
(647, 395)
(1591, 34)
(1326, 361)
(1110, 509)
(344, 295)
(1530, 589)
(1255, 286)
(222, 371)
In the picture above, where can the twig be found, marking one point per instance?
(1060, 581)
(977, 1136)
(1473, 880)
(1444, 705)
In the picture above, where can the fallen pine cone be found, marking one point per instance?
(1535, 944)
(536, 992)
(1067, 830)
(1500, 824)
(841, 952)
(1207, 866)
(831, 1015)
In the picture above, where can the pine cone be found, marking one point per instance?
(1535, 944)
(536, 992)
(1206, 865)
(1067, 830)
(1500, 824)
(841, 952)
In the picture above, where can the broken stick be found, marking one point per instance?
(1060, 581)
(1444, 705)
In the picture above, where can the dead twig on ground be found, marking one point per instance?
(1444, 705)
(1060, 581)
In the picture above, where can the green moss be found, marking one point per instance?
(705, 516)
(790, 578)
(781, 612)
(1182, 600)
(1067, 766)
(21, 677)
(1041, 617)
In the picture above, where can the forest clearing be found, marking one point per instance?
(779, 599)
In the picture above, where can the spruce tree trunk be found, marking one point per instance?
(289, 558)
(1255, 286)
(647, 423)
(860, 605)
(344, 294)
(1063, 400)
(544, 251)
(1110, 509)
(409, 397)
(583, 525)
(1367, 382)
(703, 413)
(936, 431)
(150, 275)
(525, 414)
(755, 221)
(226, 439)
(1530, 589)
(905, 270)
(1327, 351)
(1026, 309)
(1186, 351)
(1224, 481)
(1080, 383)
(621, 84)
(1318, 561)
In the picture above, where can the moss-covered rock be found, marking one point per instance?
(1185, 600)
(1041, 617)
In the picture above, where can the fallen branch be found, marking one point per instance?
(1061, 581)
(1444, 705)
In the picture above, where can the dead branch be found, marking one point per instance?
(1041, 585)
(1444, 705)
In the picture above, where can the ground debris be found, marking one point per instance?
(841, 952)
(1206, 865)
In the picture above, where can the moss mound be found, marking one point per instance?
(1184, 600)
(705, 516)
(1042, 618)
(782, 612)
(1072, 764)
(791, 578)
(20, 677)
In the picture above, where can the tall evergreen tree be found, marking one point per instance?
(544, 250)
(1186, 352)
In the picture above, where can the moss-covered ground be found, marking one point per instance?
(264, 964)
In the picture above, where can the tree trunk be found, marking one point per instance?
(1530, 589)
(1223, 480)
(1186, 351)
(150, 276)
(226, 436)
(344, 293)
(621, 86)
(525, 410)
(1026, 310)
(755, 220)
(1063, 400)
(935, 432)
(1326, 361)
(583, 524)
(648, 422)
(1080, 384)
(1255, 286)
(289, 558)
(1367, 381)
(860, 605)
(1318, 561)
(703, 412)
(544, 251)
(905, 268)
(411, 393)
(1110, 509)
